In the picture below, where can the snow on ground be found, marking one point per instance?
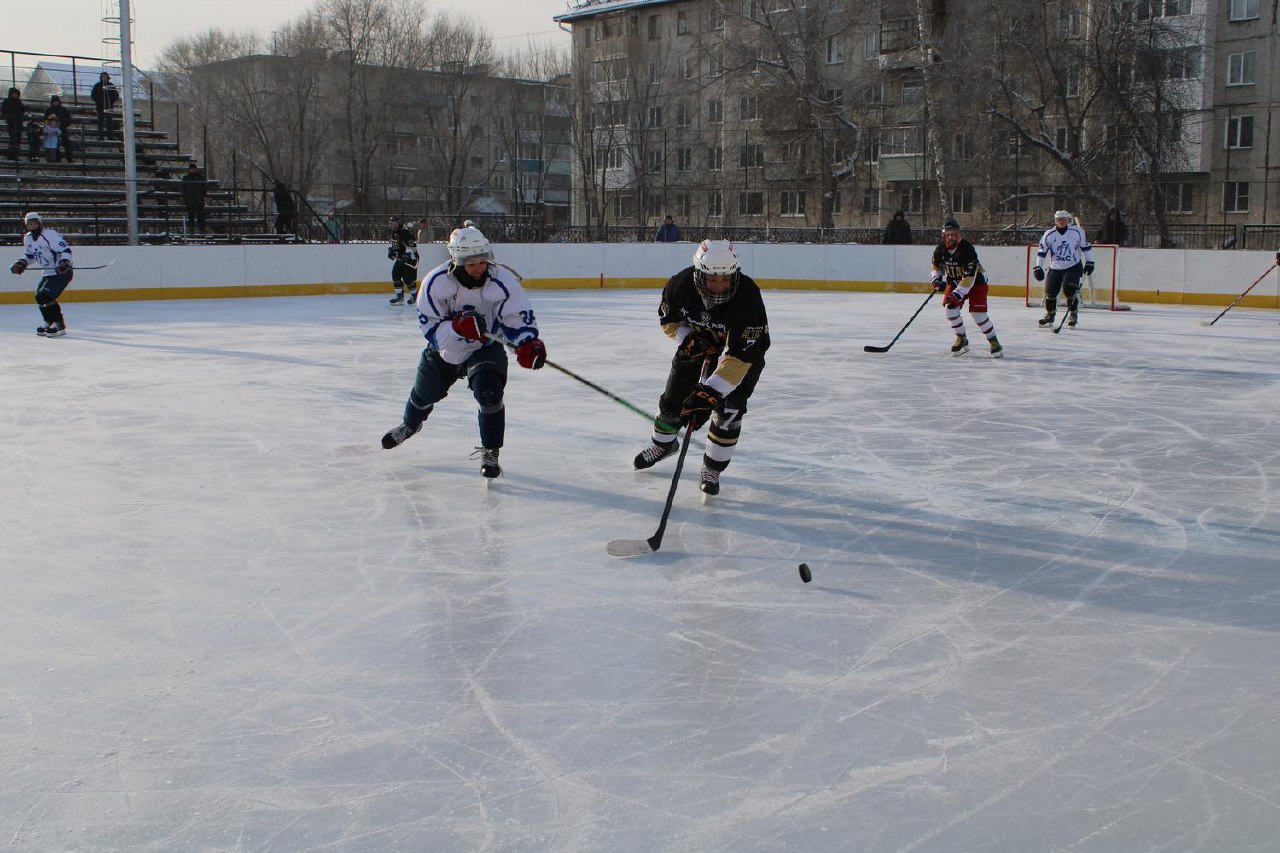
(1044, 611)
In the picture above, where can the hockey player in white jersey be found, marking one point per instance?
(1062, 248)
(47, 249)
(463, 304)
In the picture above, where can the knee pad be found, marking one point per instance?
(487, 388)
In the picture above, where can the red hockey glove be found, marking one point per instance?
(698, 406)
(63, 267)
(470, 325)
(532, 354)
(20, 266)
(956, 297)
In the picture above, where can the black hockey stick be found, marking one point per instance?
(593, 386)
(888, 346)
(1065, 315)
(98, 267)
(640, 547)
(1241, 296)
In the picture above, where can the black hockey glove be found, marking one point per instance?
(20, 266)
(63, 267)
(696, 347)
(939, 283)
(470, 325)
(698, 406)
(1088, 267)
(391, 253)
(1038, 272)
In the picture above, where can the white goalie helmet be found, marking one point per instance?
(716, 257)
(469, 244)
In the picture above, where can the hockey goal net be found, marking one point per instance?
(1096, 291)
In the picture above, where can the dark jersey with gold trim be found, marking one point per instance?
(740, 325)
(959, 265)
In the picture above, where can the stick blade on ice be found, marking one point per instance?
(629, 548)
(870, 348)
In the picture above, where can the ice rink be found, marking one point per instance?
(1044, 613)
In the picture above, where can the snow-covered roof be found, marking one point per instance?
(68, 82)
(584, 9)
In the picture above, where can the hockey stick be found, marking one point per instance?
(74, 268)
(1241, 296)
(888, 346)
(1062, 322)
(593, 386)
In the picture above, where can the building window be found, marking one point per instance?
(684, 159)
(621, 207)
(963, 147)
(655, 161)
(715, 65)
(834, 98)
(1064, 139)
(715, 158)
(871, 201)
(748, 107)
(1014, 200)
(1162, 8)
(1179, 198)
(610, 157)
(682, 23)
(717, 19)
(751, 204)
(655, 26)
(1243, 10)
(1071, 82)
(1242, 68)
(684, 117)
(715, 204)
(654, 73)
(835, 50)
(751, 155)
(1013, 147)
(898, 34)
(1235, 197)
(962, 200)
(1070, 23)
(1239, 132)
(682, 205)
(912, 200)
(911, 94)
(655, 116)
(870, 46)
(791, 203)
(686, 67)
(715, 110)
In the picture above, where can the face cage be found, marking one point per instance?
(709, 298)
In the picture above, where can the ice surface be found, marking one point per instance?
(1044, 613)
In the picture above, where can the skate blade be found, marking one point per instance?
(628, 548)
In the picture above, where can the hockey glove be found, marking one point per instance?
(391, 253)
(696, 347)
(956, 297)
(20, 266)
(1038, 272)
(939, 283)
(532, 354)
(698, 406)
(1088, 267)
(470, 325)
(63, 267)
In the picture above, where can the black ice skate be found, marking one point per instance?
(413, 297)
(1071, 319)
(53, 330)
(399, 436)
(1047, 319)
(398, 299)
(654, 454)
(997, 351)
(489, 466)
(960, 345)
(710, 481)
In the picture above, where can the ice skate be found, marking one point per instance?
(710, 481)
(997, 351)
(413, 298)
(960, 345)
(1071, 319)
(654, 453)
(398, 299)
(53, 330)
(489, 466)
(399, 436)
(1047, 320)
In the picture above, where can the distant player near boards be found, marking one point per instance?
(714, 313)
(459, 303)
(958, 273)
(1061, 249)
(404, 252)
(47, 249)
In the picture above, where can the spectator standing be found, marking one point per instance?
(35, 132)
(46, 248)
(105, 97)
(1114, 231)
(13, 111)
(898, 231)
(332, 225)
(286, 209)
(63, 114)
(668, 232)
(51, 137)
(194, 188)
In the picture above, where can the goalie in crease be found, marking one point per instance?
(715, 314)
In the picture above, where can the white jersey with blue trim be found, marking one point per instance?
(1064, 249)
(501, 300)
(45, 249)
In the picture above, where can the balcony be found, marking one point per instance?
(903, 167)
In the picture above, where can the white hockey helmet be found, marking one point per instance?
(716, 257)
(30, 217)
(1062, 214)
(468, 244)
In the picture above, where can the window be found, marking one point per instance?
(682, 23)
(963, 147)
(836, 202)
(1242, 10)
(1013, 147)
(715, 158)
(911, 94)
(1182, 64)
(962, 200)
(686, 67)
(611, 115)
(1070, 23)
(1235, 197)
(684, 159)
(654, 74)
(1071, 82)
(610, 157)
(1014, 200)
(1179, 198)
(654, 205)
(684, 116)
(717, 18)
(872, 152)
(748, 107)
(682, 205)
(621, 207)
(715, 65)
(715, 110)
(1239, 132)
(1064, 139)
(751, 204)
(835, 50)
(912, 200)
(715, 204)
(791, 203)
(655, 24)
(655, 161)
(870, 46)
(834, 98)
(792, 152)
(750, 154)
(870, 201)
(897, 35)
(655, 116)
(1242, 68)
(1162, 8)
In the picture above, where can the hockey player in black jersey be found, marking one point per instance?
(958, 274)
(403, 251)
(715, 314)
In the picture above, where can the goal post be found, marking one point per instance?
(1098, 290)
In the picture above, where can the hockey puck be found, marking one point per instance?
(805, 574)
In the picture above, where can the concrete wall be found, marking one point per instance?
(1165, 276)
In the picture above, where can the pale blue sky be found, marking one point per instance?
(79, 29)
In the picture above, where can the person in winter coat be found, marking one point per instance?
(898, 231)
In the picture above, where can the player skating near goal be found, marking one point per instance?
(47, 249)
(959, 275)
(463, 305)
(1062, 248)
(714, 313)
(403, 251)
